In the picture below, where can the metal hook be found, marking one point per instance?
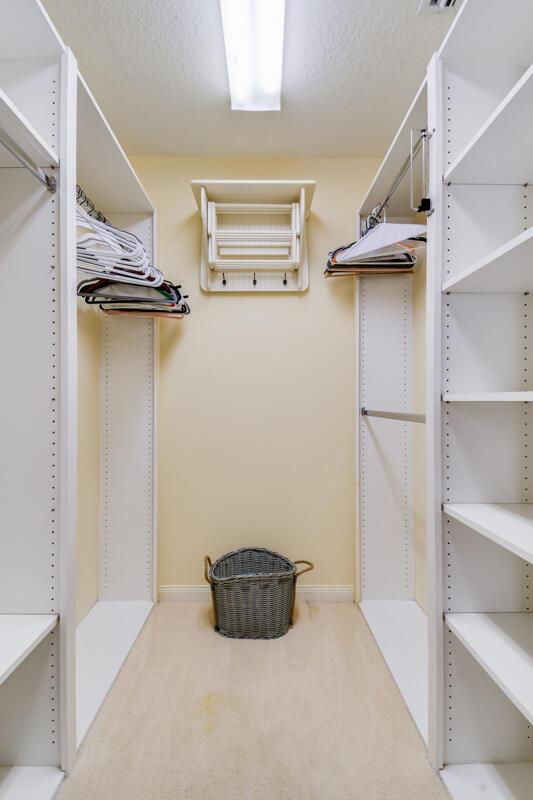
(254, 281)
(285, 279)
(224, 281)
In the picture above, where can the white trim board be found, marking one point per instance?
(304, 594)
(400, 629)
(103, 640)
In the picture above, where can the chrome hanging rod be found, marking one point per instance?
(404, 416)
(47, 180)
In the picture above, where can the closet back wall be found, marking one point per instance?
(256, 394)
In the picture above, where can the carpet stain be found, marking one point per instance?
(209, 705)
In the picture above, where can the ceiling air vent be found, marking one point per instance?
(435, 5)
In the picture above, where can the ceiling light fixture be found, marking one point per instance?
(253, 36)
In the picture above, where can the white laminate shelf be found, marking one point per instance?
(401, 631)
(29, 783)
(501, 150)
(23, 135)
(489, 781)
(488, 397)
(103, 640)
(502, 644)
(19, 635)
(506, 269)
(509, 525)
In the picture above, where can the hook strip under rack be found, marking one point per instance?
(404, 416)
(47, 180)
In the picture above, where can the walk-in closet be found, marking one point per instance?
(265, 525)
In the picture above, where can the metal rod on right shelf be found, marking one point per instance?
(47, 180)
(404, 416)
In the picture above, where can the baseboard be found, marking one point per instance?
(304, 594)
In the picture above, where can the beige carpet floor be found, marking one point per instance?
(312, 716)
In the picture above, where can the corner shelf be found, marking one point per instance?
(506, 269)
(19, 635)
(24, 136)
(500, 152)
(510, 525)
(488, 397)
(502, 644)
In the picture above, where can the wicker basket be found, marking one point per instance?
(253, 592)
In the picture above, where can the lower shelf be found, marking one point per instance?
(29, 783)
(103, 640)
(489, 781)
(502, 643)
(401, 632)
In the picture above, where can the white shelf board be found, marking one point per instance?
(401, 632)
(481, 34)
(510, 525)
(502, 643)
(254, 191)
(103, 169)
(501, 150)
(24, 136)
(399, 206)
(27, 31)
(489, 781)
(103, 640)
(506, 269)
(19, 635)
(488, 397)
(29, 783)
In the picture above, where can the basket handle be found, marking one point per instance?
(207, 567)
(309, 567)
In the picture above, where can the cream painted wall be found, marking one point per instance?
(256, 401)
(88, 454)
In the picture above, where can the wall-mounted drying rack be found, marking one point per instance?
(404, 416)
(254, 235)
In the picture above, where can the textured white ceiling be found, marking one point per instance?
(157, 68)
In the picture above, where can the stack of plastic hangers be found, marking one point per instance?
(386, 248)
(122, 280)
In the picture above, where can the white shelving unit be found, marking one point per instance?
(469, 661)
(479, 387)
(53, 677)
(390, 330)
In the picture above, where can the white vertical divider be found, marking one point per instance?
(68, 410)
(433, 415)
(386, 547)
(128, 447)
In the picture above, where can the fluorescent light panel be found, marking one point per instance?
(253, 36)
